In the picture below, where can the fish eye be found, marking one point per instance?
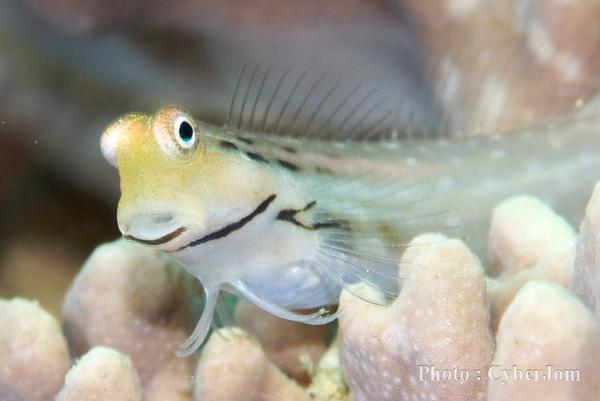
(184, 132)
(175, 132)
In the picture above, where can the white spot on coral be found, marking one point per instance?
(493, 99)
(542, 47)
(539, 42)
(569, 67)
(450, 81)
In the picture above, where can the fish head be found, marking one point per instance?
(177, 186)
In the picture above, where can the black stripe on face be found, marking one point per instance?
(257, 157)
(158, 241)
(289, 149)
(225, 231)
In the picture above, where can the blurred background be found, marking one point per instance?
(69, 67)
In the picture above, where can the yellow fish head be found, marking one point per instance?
(177, 184)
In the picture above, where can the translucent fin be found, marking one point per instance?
(303, 104)
(224, 315)
(193, 343)
(307, 104)
(367, 225)
(320, 317)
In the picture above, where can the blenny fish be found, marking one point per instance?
(287, 221)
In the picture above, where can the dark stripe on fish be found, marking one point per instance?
(158, 241)
(228, 145)
(289, 215)
(225, 231)
(246, 140)
(288, 165)
(257, 157)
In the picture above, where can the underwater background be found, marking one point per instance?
(69, 68)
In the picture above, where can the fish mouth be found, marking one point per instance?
(158, 241)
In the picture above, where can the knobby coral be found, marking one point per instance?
(528, 331)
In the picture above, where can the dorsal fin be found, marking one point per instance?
(302, 104)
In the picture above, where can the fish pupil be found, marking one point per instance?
(186, 132)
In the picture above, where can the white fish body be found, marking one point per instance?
(287, 222)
